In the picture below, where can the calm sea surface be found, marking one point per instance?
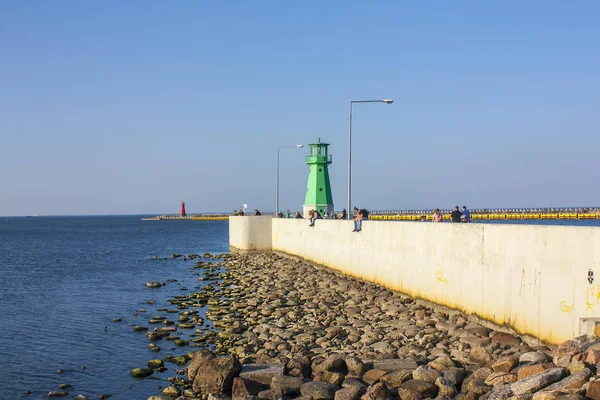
(63, 279)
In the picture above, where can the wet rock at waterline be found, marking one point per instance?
(141, 372)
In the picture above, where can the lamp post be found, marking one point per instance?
(277, 183)
(387, 101)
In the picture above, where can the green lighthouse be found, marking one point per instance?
(318, 190)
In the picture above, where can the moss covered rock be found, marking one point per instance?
(141, 372)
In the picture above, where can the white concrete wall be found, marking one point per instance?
(250, 232)
(530, 277)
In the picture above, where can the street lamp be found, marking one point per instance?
(277, 184)
(387, 101)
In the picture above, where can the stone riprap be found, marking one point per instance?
(287, 329)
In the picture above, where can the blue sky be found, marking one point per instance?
(132, 107)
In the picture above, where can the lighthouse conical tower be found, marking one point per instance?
(318, 189)
(182, 212)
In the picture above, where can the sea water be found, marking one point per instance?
(62, 281)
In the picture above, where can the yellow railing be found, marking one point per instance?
(488, 216)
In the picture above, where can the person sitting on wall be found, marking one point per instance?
(437, 216)
(456, 215)
(280, 215)
(466, 213)
(298, 215)
(288, 214)
(343, 214)
(315, 216)
(242, 213)
(311, 215)
(235, 212)
(362, 215)
(256, 212)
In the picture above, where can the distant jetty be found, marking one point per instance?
(189, 217)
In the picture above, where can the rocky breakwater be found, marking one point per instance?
(288, 329)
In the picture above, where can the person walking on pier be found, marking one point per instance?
(437, 216)
(456, 215)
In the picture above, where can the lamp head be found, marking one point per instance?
(387, 101)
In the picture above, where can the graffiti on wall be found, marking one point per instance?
(439, 274)
(566, 308)
(530, 284)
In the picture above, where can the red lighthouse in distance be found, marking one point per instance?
(183, 214)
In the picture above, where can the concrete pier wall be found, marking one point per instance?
(532, 278)
(251, 233)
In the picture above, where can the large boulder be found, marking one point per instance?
(500, 378)
(446, 388)
(426, 373)
(141, 372)
(199, 359)
(534, 357)
(56, 393)
(373, 375)
(242, 388)
(505, 364)
(334, 363)
(335, 378)
(319, 390)
(270, 394)
(288, 385)
(356, 368)
(216, 375)
(417, 390)
(171, 391)
(377, 391)
(299, 367)
(394, 364)
(505, 339)
(538, 381)
(571, 383)
(455, 376)
(262, 373)
(528, 370)
(593, 390)
(575, 381)
(479, 355)
(396, 378)
(349, 393)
